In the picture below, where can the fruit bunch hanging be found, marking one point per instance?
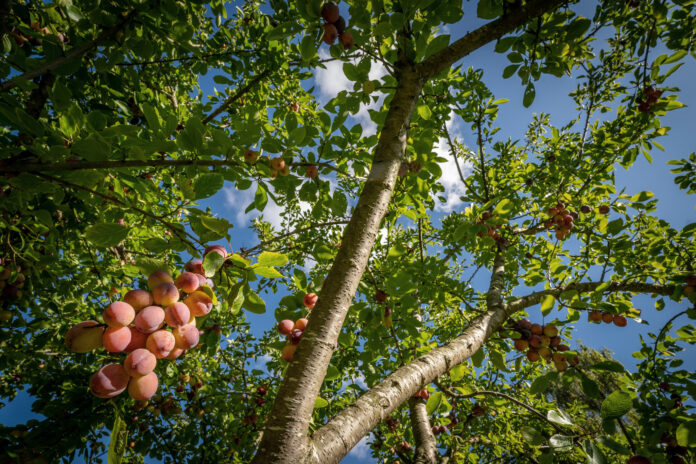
(561, 220)
(542, 342)
(148, 326)
(599, 316)
(335, 26)
(294, 330)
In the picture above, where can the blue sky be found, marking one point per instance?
(674, 205)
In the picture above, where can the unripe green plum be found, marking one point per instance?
(116, 339)
(177, 315)
(149, 319)
(188, 282)
(119, 314)
(140, 362)
(165, 294)
(84, 337)
(109, 381)
(143, 388)
(199, 303)
(186, 337)
(138, 299)
(160, 343)
(157, 278)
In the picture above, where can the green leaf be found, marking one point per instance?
(434, 402)
(642, 196)
(252, 302)
(457, 373)
(269, 258)
(547, 304)
(235, 298)
(267, 272)
(561, 442)
(477, 358)
(489, 9)
(208, 184)
(532, 435)
(320, 403)
(218, 225)
(616, 405)
(611, 366)
(118, 441)
(424, 111)
(529, 95)
(594, 455)
(686, 434)
(504, 208)
(106, 234)
(590, 387)
(332, 373)
(260, 198)
(558, 417)
(211, 263)
(308, 49)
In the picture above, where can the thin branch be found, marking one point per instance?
(186, 58)
(459, 170)
(119, 202)
(482, 159)
(287, 234)
(80, 165)
(238, 94)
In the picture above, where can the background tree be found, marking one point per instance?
(111, 150)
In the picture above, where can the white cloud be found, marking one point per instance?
(361, 451)
(454, 187)
(331, 80)
(240, 199)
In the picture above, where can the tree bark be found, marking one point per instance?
(285, 437)
(344, 430)
(426, 446)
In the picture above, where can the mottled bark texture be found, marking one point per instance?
(426, 446)
(285, 437)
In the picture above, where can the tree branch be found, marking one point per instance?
(80, 165)
(442, 60)
(426, 446)
(237, 95)
(633, 287)
(288, 234)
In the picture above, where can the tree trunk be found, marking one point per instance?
(426, 446)
(285, 435)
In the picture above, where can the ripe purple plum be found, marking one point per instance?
(177, 315)
(119, 314)
(84, 337)
(160, 343)
(186, 337)
(140, 362)
(188, 282)
(109, 381)
(165, 294)
(138, 299)
(157, 278)
(138, 339)
(143, 388)
(116, 339)
(199, 303)
(149, 319)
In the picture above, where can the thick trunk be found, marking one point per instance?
(285, 436)
(426, 446)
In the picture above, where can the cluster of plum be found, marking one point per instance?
(12, 281)
(649, 99)
(148, 325)
(278, 165)
(561, 220)
(485, 216)
(599, 316)
(335, 26)
(542, 342)
(294, 330)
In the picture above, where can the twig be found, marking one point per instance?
(238, 94)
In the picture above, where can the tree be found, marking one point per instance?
(111, 148)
